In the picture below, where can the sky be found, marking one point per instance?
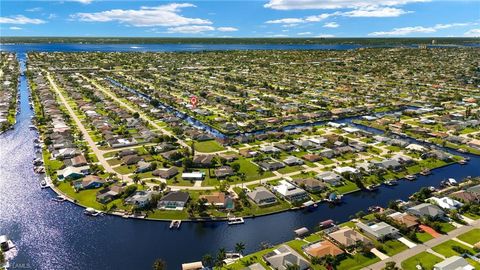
(253, 18)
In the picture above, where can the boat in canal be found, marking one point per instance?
(175, 224)
(411, 177)
(391, 182)
(235, 221)
(426, 172)
(59, 198)
(92, 212)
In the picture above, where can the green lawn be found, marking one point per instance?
(427, 260)
(393, 247)
(290, 169)
(423, 237)
(446, 227)
(472, 237)
(168, 214)
(208, 146)
(348, 187)
(446, 250)
(358, 261)
(251, 170)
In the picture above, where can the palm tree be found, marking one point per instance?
(221, 255)
(159, 264)
(239, 247)
(207, 260)
(136, 179)
(243, 177)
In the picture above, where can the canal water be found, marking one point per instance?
(53, 235)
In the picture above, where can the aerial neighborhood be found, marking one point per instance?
(211, 136)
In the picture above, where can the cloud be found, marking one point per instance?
(376, 12)
(331, 25)
(324, 36)
(20, 19)
(196, 29)
(35, 9)
(403, 31)
(84, 1)
(305, 34)
(227, 29)
(164, 15)
(368, 11)
(190, 29)
(287, 21)
(334, 4)
(472, 33)
(15, 28)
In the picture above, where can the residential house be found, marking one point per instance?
(322, 249)
(312, 157)
(379, 231)
(110, 193)
(193, 176)
(292, 161)
(175, 200)
(73, 172)
(262, 196)
(330, 178)
(310, 184)
(406, 219)
(426, 209)
(131, 159)
(139, 198)
(346, 169)
(446, 203)
(219, 200)
(284, 257)
(290, 192)
(143, 166)
(269, 149)
(203, 160)
(453, 263)
(88, 182)
(166, 173)
(348, 237)
(271, 165)
(224, 171)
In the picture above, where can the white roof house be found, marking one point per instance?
(290, 191)
(416, 147)
(193, 175)
(453, 263)
(346, 169)
(446, 203)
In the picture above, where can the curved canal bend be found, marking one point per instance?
(58, 236)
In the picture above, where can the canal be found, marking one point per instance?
(53, 235)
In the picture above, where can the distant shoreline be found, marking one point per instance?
(244, 41)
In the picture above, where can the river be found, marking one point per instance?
(53, 235)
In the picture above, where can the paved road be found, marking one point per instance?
(398, 258)
(128, 107)
(86, 136)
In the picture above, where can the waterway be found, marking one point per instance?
(53, 235)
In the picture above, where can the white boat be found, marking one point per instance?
(32, 127)
(175, 224)
(452, 182)
(411, 177)
(91, 212)
(43, 184)
(9, 250)
(59, 198)
(235, 220)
